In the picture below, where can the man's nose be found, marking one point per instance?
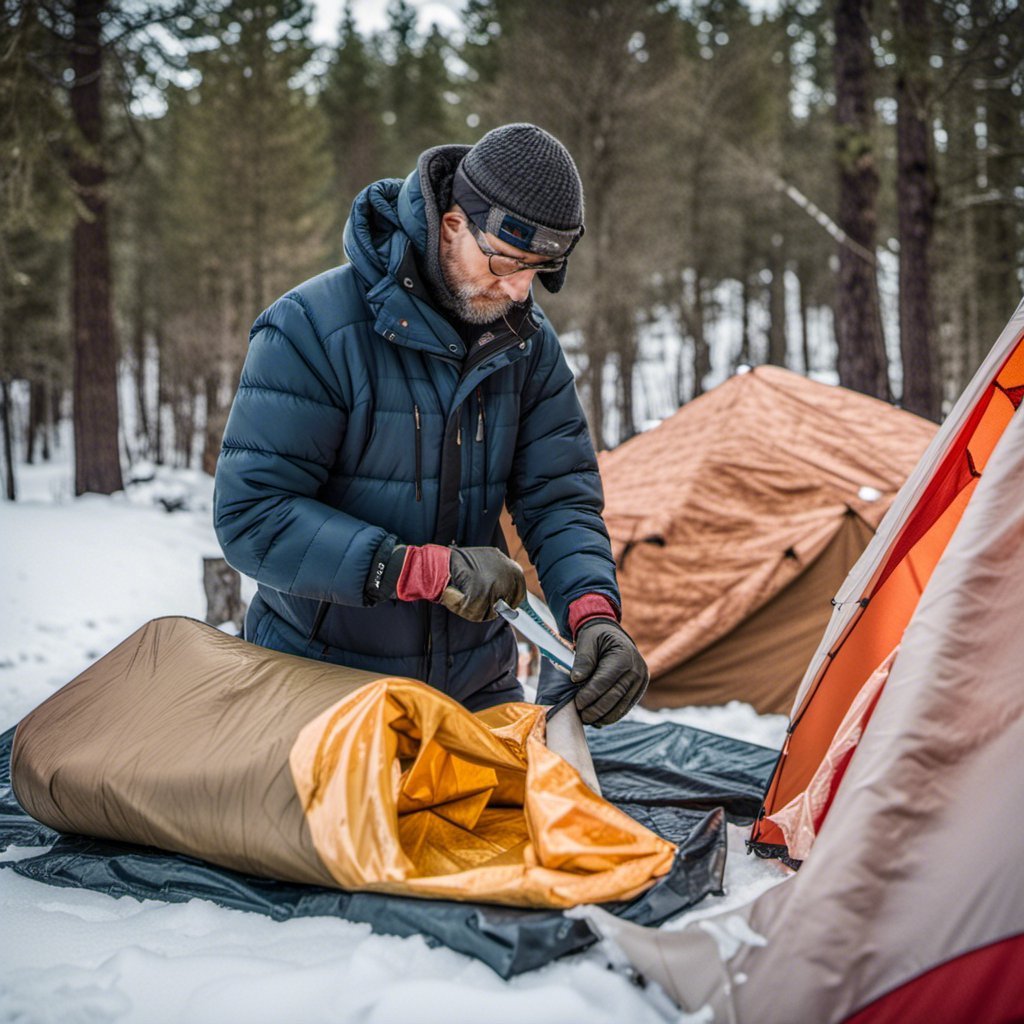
(517, 286)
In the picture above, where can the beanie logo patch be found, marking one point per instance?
(515, 232)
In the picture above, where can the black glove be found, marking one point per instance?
(479, 577)
(609, 670)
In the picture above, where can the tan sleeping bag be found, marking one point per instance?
(188, 739)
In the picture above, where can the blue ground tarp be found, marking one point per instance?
(681, 782)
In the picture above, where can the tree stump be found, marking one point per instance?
(223, 588)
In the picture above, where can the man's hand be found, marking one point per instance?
(479, 577)
(609, 670)
(467, 581)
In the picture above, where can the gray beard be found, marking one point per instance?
(466, 301)
(472, 308)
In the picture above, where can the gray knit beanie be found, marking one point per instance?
(520, 184)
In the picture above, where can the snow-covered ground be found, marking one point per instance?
(81, 575)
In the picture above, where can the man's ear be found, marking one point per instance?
(451, 223)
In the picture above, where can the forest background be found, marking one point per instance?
(836, 187)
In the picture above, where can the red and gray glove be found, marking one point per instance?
(467, 581)
(608, 669)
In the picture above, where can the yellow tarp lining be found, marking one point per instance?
(404, 791)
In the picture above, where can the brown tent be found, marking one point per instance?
(735, 521)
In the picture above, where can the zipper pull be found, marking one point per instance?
(479, 416)
(458, 435)
(419, 453)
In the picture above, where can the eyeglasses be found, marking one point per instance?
(501, 265)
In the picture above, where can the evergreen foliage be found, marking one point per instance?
(247, 183)
(724, 206)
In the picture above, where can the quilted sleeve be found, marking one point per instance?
(554, 492)
(283, 432)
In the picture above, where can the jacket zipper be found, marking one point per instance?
(429, 644)
(419, 453)
(318, 621)
(442, 536)
(481, 437)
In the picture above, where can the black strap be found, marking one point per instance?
(385, 569)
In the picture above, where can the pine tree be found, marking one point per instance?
(36, 215)
(248, 190)
(916, 198)
(386, 99)
(71, 63)
(863, 365)
(978, 50)
(97, 458)
(352, 101)
(600, 77)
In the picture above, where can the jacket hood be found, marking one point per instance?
(386, 227)
(428, 193)
(373, 240)
(392, 215)
(411, 209)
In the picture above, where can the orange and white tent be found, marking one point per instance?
(881, 594)
(899, 785)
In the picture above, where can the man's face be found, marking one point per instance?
(481, 296)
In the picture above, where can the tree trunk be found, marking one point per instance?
(862, 359)
(48, 419)
(746, 354)
(777, 305)
(701, 354)
(216, 421)
(5, 416)
(595, 405)
(916, 197)
(139, 352)
(627, 367)
(36, 418)
(193, 421)
(680, 374)
(57, 394)
(972, 302)
(999, 285)
(161, 399)
(185, 418)
(805, 340)
(5, 388)
(97, 463)
(223, 588)
(701, 349)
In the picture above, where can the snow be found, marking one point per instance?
(81, 575)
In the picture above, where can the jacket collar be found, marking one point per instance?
(386, 221)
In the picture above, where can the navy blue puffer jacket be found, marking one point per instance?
(359, 415)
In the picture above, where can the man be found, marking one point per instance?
(387, 410)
